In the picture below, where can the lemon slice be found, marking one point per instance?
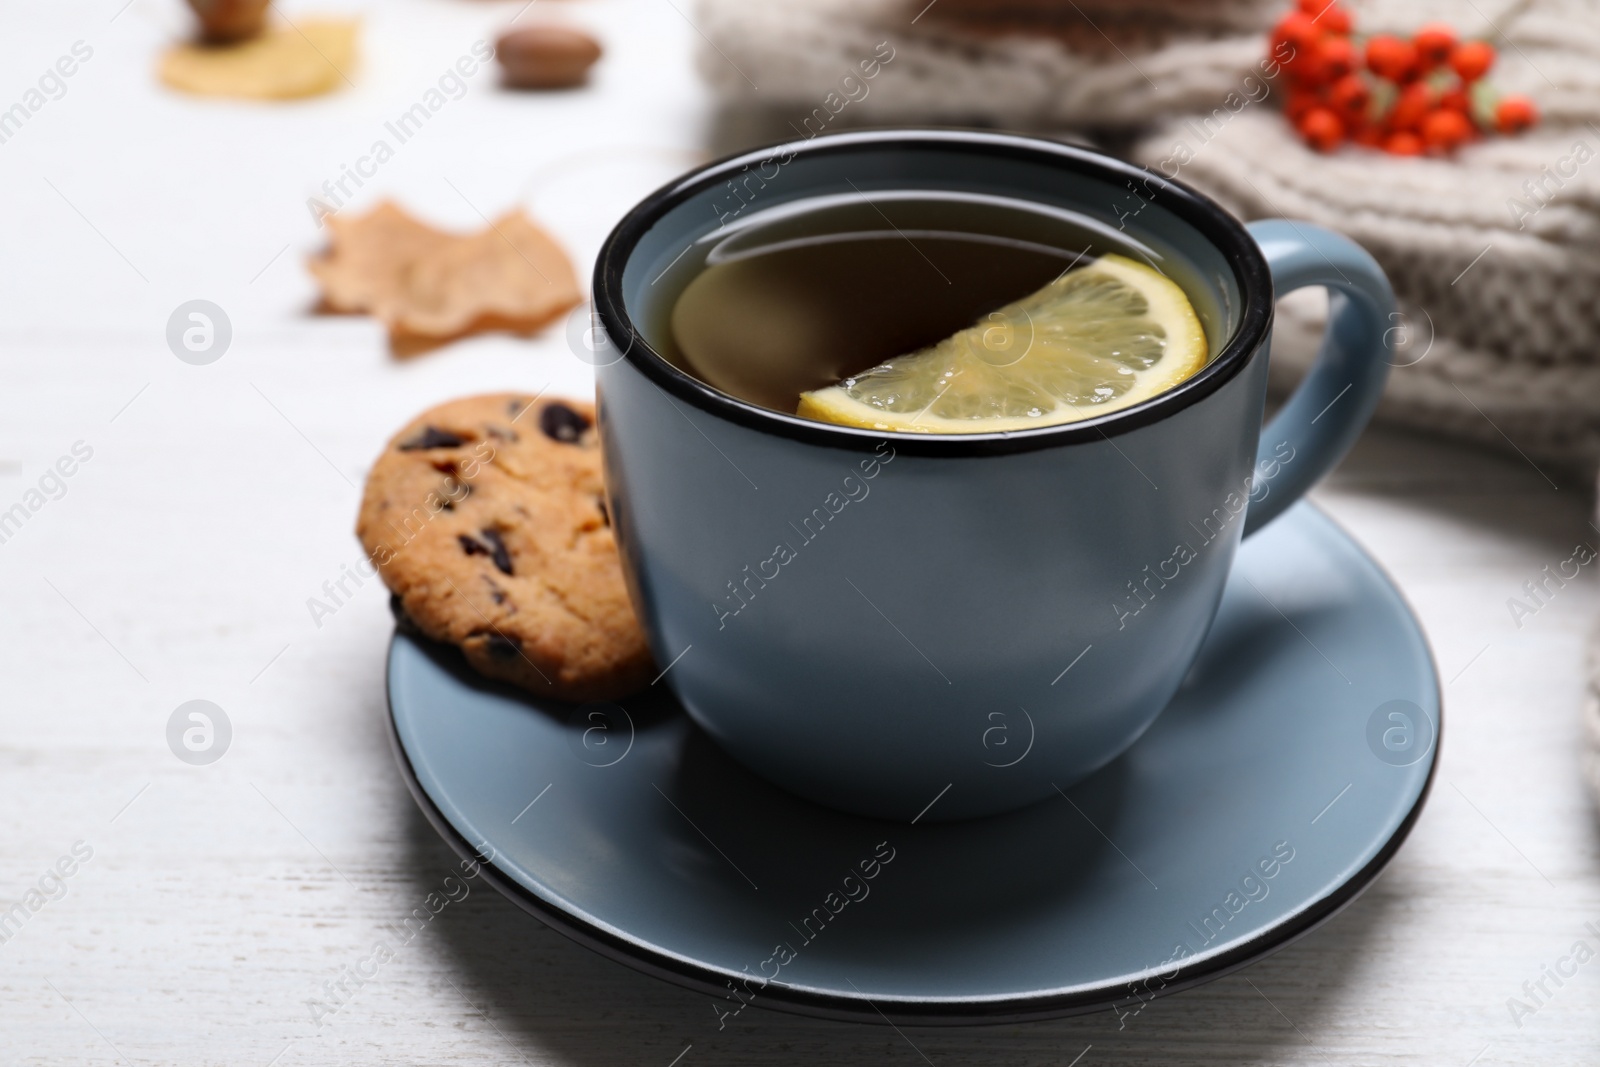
(1097, 339)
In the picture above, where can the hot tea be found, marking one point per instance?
(933, 312)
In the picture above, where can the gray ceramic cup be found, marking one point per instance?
(936, 627)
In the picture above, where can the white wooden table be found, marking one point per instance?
(218, 902)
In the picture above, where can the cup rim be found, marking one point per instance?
(1207, 217)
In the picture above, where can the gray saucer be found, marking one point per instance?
(1274, 789)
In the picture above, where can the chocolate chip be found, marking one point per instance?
(495, 591)
(470, 546)
(502, 558)
(432, 437)
(561, 423)
(500, 646)
(454, 492)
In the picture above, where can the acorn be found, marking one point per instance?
(546, 56)
(230, 21)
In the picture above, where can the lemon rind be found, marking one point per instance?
(1187, 353)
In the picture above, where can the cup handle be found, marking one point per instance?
(1332, 405)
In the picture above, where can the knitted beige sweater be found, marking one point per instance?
(1591, 719)
(1499, 320)
(1495, 255)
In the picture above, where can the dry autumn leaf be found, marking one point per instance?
(430, 287)
(512, 274)
(283, 63)
(367, 261)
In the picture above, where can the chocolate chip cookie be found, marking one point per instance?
(487, 519)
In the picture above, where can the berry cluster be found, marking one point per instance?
(1407, 97)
